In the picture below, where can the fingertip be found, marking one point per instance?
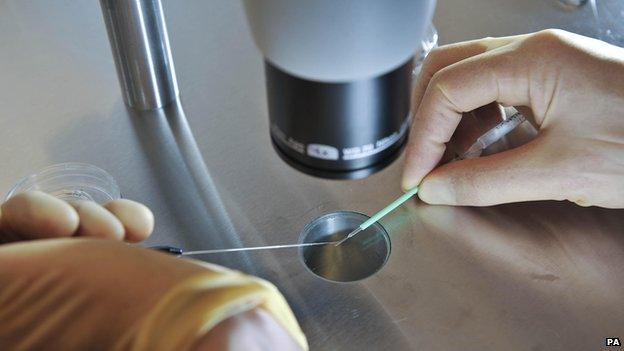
(37, 215)
(422, 154)
(137, 219)
(407, 184)
(436, 191)
(412, 176)
(409, 177)
(97, 222)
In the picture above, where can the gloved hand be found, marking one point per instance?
(87, 294)
(574, 88)
(36, 215)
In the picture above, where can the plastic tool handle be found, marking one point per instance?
(396, 203)
(168, 249)
(495, 134)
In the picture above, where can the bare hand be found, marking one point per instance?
(574, 87)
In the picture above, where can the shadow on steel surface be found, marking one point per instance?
(199, 210)
(187, 185)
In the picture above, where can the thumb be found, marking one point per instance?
(526, 173)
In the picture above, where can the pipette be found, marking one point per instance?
(180, 252)
(495, 134)
(377, 216)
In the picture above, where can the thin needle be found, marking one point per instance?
(377, 216)
(350, 235)
(202, 252)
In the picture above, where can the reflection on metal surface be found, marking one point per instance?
(71, 181)
(186, 182)
(356, 259)
(138, 38)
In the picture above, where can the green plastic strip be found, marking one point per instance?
(396, 203)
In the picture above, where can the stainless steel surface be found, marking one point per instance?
(357, 259)
(533, 276)
(138, 38)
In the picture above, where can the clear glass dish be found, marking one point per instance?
(71, 181)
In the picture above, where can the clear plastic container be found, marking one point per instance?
(71, 181)
(428, 43)
(609, 16)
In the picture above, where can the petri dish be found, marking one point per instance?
(357, 258)
(571, 4)
(428, 43)
(71, 181)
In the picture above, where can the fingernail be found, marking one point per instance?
(437, 192)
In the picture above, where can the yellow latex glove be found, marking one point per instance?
(89, 294)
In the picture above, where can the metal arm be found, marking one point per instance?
(138, 36)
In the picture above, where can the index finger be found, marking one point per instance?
(461, 87)
(449, 54)
(36, 215)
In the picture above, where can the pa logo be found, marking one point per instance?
(613, 342)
